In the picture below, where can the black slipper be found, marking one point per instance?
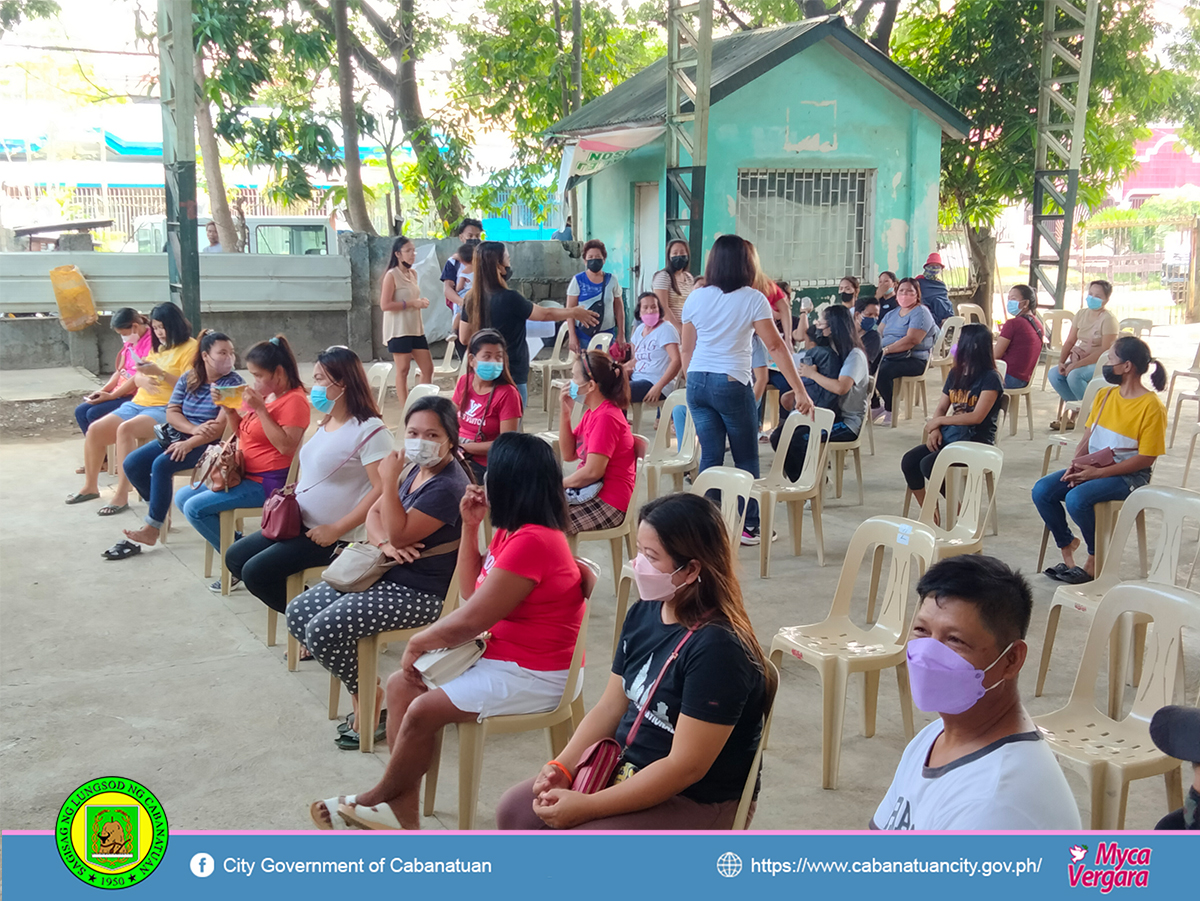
(1055, 571)
(121, 550)
(1076, 575)
(348, 741)
(347, 725)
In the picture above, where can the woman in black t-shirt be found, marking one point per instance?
(968, 409)
(694, 738)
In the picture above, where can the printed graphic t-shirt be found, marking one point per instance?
(288, 409)
(176, 360)
(1129, 427)
(605, 431)
(964, 398)
(1013, 783)
(505, 404)
(712, 679)
(650, 360)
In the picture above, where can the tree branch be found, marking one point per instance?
(860, 14)
(370, 63)
(730, 14)
(881, 39)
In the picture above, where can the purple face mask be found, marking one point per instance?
(941, 680)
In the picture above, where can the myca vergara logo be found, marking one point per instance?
(1112, 867)
(111, 832)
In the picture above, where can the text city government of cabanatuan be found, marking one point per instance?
(383, 864)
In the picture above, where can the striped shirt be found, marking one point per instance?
(198, 405)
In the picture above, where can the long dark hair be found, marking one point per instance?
(690, 527)
(344, 368)
(608, 375)
(1131, 349)
(974, 355)
(447, 415)
(397, 246)
(198, 374)
(273, 354)
(1030, 314)
(174, 323)
(843, 336)
(730, 265)
(489, 337)
(486, 281)
(669, 270)
(127, 317)
(525, 484)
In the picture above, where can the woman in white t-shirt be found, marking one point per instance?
(656, 361)
(719, 321)
(339, 481)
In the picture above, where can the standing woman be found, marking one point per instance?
(656, 361)
(719, 321)
(136, 337)
(339, 481)
(595, 288)
(488, 402)
(907, 335)
(674, 283)
(1092, 333)
(172, 351)
(1127, 419)
(270, 427)
(848, 292)
(403, 331)
(1021, 338)
(492, 304)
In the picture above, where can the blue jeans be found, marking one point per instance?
(723, 407)
(1051, 495)
(203, 507)
(149, 469)
(86, 414)
(1013, 382)
(1072, 385)
(523, 390)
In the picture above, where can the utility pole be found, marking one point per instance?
(689, 47)
(176, 58)
(1068, 40)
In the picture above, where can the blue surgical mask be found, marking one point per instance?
(867, 323)
(489, 370)
(1094, 302)
(1014, 307)
(320, 401)
(574, 390)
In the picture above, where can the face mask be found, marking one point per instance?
(406, 265)
(1094, 302)
(507, 273)
(941, 680)
(652, 584)
(423, 453)
(472, 241)
(679, 263)
(933, 273)
(595, 265)
(574, 390)
(223, 366)
(320, 400)
(907, 302)
(489, 370)
(867, 323)
(1109, 376)
(129, 339)
(845, 296)
(651, 319)
(1014, 307)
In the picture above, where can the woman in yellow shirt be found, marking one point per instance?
(173, 349)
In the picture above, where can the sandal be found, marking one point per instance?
(112, 509)
(348, 724)
(349, 740)
(331, 807)
(1055, 571)
(381, 817)
(81, 498)
(1076, 575)
(121, 550)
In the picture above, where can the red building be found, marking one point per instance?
(1165, 164)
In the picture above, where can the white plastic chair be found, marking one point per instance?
(561, 360)
(1191, 373)
(1054, 320)
(1187, 467)
(972, 312)
(964, 520)
(839, 449)
(448, 367)
(601, 341)
(940, 355)
(626, 532)
(664, 458)
(838, 646)
(379, 377)
(741, 820)
(415, 393)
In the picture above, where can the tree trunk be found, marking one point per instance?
(356, 204)
(576, 55)
(981, 247)
(218, 203)
(881, 39)
(562, 75)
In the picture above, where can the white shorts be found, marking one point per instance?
(499, 687)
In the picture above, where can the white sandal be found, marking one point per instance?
(332, 807)
(381, 818)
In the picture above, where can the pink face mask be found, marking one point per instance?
(651, 319)
(652, 584)
(908, 301)
(129, 339)
(941, 680)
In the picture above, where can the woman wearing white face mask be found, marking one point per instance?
(1092, 333)
(685, 698)
(418, 526)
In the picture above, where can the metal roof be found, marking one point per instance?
(740, 58)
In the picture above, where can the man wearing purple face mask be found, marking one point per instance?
(983, 765)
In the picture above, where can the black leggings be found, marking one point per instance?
(917, 466)
(892, 368)
(264, 565)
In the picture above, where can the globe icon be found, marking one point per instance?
(729, 865)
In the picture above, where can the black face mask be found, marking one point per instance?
(472, 241)
(595, 265)
(1109, 376)
(845, 296)
(679, 263)
(507, 273)
(817, 337)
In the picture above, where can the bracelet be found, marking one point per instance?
(561, 768)
(404, 305)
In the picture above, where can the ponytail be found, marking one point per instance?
(608, 375)
(273, 354)
(1158, 378)
(1131, 349)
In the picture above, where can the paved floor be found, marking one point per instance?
(43, 384)
(135, 668)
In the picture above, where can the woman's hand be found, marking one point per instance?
(584, 316)
(406, 554)
(151, 369)
(806, 370)
(144, 381)
(933, 439)
(208, 431)
(653, 396)
(803, 403)
(562, 808)
(473, 506)
(550, 777)
(323, 536)
(253, 400)
(408, 665)
(564, 396)
(98, 397)
(390, 468)
(1075, 477)
(179, 449)
(1063, 368)
(419, 304)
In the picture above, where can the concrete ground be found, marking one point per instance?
(135, 668)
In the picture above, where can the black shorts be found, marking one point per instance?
(407, 344)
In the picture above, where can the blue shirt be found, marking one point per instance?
(894, 327)
(198, 405)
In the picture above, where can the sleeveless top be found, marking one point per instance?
(403, 323)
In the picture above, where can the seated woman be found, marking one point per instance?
(193, 423)
(1021, 338)
(1129, 420)
(968, 410)
(656, 361)
(685, 765)
(136, 337)
(270, 427)
(339, 481)
(848, 289)
(600, 490)
(418, 526)
(173, 350)
(527, 592)
(907, 334)
(1093, 331)
(487, 398)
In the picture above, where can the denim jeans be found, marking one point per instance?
(203, 507)
(149, 469)
(1051, 495)
(723, 407)
(86, 414)
(1011, 381)
(1072, 385)
(523, 390)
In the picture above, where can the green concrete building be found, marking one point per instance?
(821, 151)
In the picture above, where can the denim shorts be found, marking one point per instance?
(129, 409)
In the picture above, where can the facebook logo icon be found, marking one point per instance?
(202, 865)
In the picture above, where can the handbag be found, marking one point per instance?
(445, 664)
(221, 467)
(600, 760)
(587, 332)
(359, 565)
(620, 351)
(577, 496)
(281, 520)
(167, 434)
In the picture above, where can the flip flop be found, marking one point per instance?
(348, 724)
(381, 817)
(121, 550)
(330, 806)
(349, 740)
(81, 498)
(1055, 571)
(1076, 575)
(112, 509)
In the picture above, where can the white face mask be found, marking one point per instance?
(129, 339)
(423, 453)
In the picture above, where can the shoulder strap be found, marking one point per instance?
(653, 688)
(353, 454)
(439, 550)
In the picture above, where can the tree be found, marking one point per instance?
(1184, 55)
(871, 19)
(983, 58)
(12, 12)
(356, 204)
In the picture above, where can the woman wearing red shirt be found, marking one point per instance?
(600, 490)
(1021, 338)
(487, 398)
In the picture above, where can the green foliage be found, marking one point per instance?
(12, 12)
(1184, 56)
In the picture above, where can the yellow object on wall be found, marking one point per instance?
(76, 309)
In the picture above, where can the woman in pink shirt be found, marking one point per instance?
(527, 591)
(134, 329)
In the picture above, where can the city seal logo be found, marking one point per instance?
(111, 832)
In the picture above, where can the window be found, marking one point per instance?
(811, 226)
(290, 239)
